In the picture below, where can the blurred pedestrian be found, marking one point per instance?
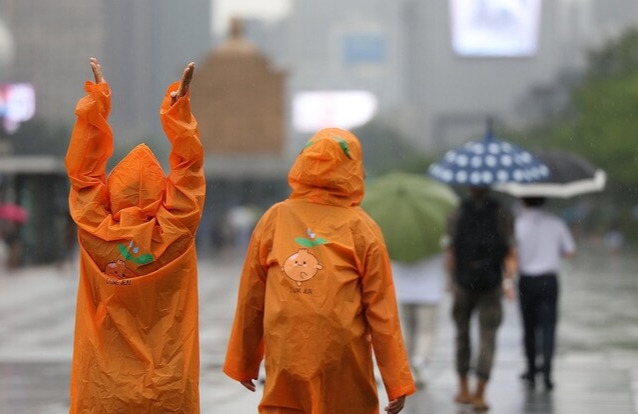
(241, 220)
(481, 263)
(136, 345)
(13, 240)
(543, 240)
(4, 250)
(68, 247)
(316, 295)
(419, 288)
(614, 239)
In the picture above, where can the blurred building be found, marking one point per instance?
(148, 43)
(238, 98)
(7, 47)
(38, 184)
(143, 45)
(414, 56)
(454, 92)
(334, 47)
(52, 43)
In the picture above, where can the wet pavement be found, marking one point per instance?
(596, 366)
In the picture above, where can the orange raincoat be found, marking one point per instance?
(136, 346)
(316, 294)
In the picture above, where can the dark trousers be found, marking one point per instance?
(490, 314)
(539, 310)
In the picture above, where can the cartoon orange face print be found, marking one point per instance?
(118, 269)
(301, 266)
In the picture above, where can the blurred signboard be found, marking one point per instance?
(495, 28)
(17, 104)
(342, 109)
(363, 48)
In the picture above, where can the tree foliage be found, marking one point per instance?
(619, 57)
(606, 130)
(601, 122)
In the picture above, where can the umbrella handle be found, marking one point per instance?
(490, 128)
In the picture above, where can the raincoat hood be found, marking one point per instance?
(136, 183)
(329, 169)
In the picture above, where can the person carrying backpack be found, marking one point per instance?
(481, 265)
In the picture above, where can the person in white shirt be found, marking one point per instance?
(543, 240)
(419, 288)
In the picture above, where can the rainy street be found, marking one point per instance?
(298, 128)
(596, 364)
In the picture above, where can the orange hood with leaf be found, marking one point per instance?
(329, 169)
(316, 295)
(136, 346)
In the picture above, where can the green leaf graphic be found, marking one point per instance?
(344, 145)
(143, 259)
(309, 242)
(124, 252)
(140, 260)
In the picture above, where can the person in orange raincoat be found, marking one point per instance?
(316, 295)
(136, 345)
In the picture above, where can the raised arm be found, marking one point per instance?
(90, 148)
(186, 186)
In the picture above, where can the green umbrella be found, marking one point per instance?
(412, 212)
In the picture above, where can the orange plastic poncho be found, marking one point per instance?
(316, 294)
(136, 346)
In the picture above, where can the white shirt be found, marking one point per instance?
(542, 240)
(420, 282)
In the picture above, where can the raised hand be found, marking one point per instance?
(97, 70)
(184, 83)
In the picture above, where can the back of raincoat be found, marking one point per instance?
(316, 293)
(136, 346)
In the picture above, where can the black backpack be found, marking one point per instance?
(480, 245)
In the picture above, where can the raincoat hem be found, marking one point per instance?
(401, 391)
(238, 376)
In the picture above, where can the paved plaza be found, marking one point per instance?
(596, 367)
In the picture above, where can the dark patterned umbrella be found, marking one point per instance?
(488, 163)
(570, 175)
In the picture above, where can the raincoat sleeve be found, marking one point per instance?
(186, 186)
(246, 343)
(380, 306)
(89, 150)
